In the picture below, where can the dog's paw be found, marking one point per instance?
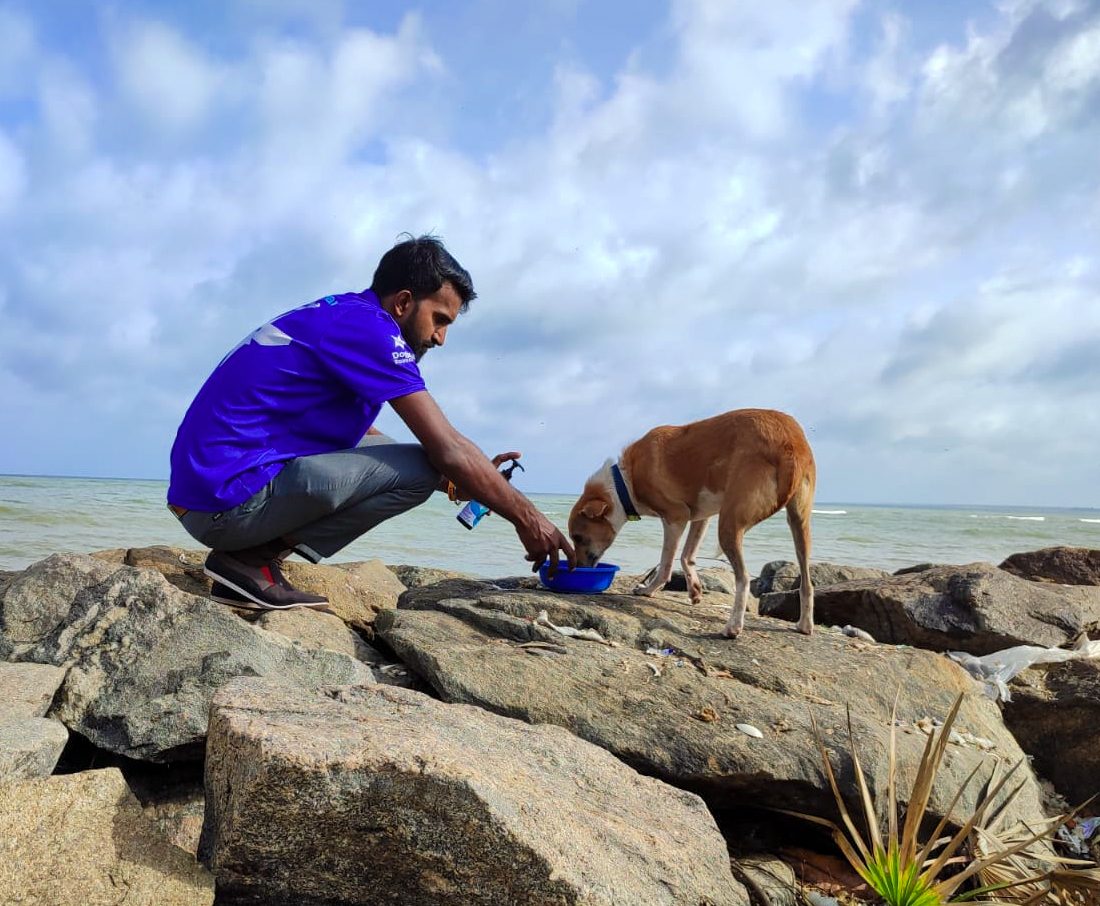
(643, 591)
(806, 628)
(696, 592)
(732, 632)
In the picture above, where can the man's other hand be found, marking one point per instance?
(544, 540)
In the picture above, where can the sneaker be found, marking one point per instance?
(264, 586)
(223, 594)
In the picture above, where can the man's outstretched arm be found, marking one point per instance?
(457, 457)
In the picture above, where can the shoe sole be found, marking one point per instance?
(234, 602)
(254, 603)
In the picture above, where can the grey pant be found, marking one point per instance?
(322, 503)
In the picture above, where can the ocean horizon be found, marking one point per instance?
(44, 514)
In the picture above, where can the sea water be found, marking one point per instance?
(42, 515)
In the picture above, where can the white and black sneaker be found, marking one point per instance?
(260, 587)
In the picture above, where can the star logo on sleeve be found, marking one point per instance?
(401, 353)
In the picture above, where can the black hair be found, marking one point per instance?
(421, 266)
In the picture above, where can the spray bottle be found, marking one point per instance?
(471, 514)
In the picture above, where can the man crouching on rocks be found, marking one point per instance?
(267, 463)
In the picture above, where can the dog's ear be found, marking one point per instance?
(594, 509)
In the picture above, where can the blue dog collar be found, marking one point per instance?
(624, 494)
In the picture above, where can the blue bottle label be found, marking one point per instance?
(471, 514)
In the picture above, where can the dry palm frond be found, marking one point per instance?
(1034, 874)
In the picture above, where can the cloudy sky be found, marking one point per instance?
(883, 218)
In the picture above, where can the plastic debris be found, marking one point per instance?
(817, 898)
(995, 670)
(854, 632)
(750, 730)
(656, 670)
(928, 725)
(1077, 837)
(590, 635)
(660, 652)
(393, 670)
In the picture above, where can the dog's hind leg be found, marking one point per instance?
(798, 518)
(673, 532)
(687, 558)
(732, 536)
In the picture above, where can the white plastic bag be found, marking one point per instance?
(996, 669)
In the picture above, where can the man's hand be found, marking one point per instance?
(458, 458)
(543, 540)
(459, 494)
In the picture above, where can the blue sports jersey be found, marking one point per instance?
(311, 381)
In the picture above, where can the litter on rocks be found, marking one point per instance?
(590, 635)
(1077, 837)
(965, 738)
(817, 898)
(750, 730)
(854, 632)
(995, 670)
(393, 670)
(660, 652)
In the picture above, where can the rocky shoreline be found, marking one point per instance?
(437, 739)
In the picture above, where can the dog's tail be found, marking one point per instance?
(796, 477)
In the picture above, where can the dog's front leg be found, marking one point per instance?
(673, 532)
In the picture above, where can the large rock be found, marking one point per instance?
(26, 690)
(712, 578)
(783, 575)
(412, 576)
(1062, 565)
(977, 608)
(180, 566)
(356, 591)
(317, 629)
(30, 747)
(688, 717)
(1054, 713)
(383, 795)
(81, 840)
(144, 658)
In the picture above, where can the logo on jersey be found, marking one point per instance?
(401, 353)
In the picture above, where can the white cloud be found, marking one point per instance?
(910, 273)
(69, 108)
(170, 80)
(13, 176)
(18, 47)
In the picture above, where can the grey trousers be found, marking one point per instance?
(322, 503)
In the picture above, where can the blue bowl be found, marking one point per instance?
(587, 580)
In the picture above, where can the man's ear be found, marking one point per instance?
(402, 302)
(594, 509)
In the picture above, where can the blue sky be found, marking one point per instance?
(883, 218)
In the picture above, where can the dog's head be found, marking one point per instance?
(590, 526)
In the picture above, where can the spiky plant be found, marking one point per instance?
(905, 872)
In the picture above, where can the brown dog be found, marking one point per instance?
(742, 466)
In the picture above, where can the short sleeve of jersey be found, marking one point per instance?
(363, 347)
